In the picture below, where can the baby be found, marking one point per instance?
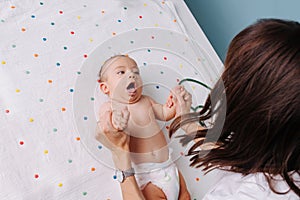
(136, 115)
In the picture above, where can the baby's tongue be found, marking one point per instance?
(131, 90)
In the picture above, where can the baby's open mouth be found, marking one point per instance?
(131, 88)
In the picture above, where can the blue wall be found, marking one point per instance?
(221, 20)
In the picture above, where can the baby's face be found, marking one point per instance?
(122, 80)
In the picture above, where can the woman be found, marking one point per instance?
(259, 142)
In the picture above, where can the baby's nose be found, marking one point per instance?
(131, 75)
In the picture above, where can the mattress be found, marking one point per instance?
(50, 52)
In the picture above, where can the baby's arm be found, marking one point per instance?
(119, 118)
(164, 112)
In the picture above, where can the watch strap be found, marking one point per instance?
(128, 172)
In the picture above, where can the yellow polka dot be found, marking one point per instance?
(36, 55)
(180, 66)
(156, 25)
(3, 62)
(60, 185)
(145, 4)
(193, 87)
(31, 119)
(18, 90)
(168, 45)
(46, 151)
(78, 17)
(91, 39)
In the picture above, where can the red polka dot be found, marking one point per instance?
(63, 109)
(165, 58)
(72, 32)
(85, 55)
(61, 12)
(78, 138)
(152, 37)
(7, 111)
(36, 176)
(140, 16)
(197, 179)
(93, 169)
(21, 142)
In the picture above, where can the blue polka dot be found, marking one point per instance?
(114, 177)
(157, 87)
(52, 23)
(32, 16)
(85, 118)
(65, 47)
(41, 3)
(44, 39)
(149, 50)
(58, 64)
(131, 42)
(144, 64)
(99, 147)
(71, 90)
(119, 20)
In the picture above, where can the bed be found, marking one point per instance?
(50, 52)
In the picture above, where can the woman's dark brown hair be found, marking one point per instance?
(261, 131)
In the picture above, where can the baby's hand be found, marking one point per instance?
(120, 119)
(183, 100)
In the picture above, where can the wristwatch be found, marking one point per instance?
(122, 175)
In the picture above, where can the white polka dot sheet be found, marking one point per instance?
(50, 54)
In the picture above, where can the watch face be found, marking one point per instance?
(119, 176)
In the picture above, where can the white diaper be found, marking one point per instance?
(163, 175)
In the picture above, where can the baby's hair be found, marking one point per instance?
(108, 62)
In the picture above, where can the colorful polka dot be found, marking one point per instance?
(140, 16)
(41, 100)
(18, 90)
(50, 81)
(13, 46)
(3, 62)
(27, 72)
(7, 111)
(57, 64)
(41, 3)
(70, 161)
(46, 151)
(72, 32)
(197, 179)
(31, 120)
(165, 58)
(23, 29)
(35, 55)
(60, 184)
(65, 47)
(93, 169)
(52, 23)
(85, 55)
(61, 12)
(71, 90)
(21, 142)
(85, 118)
(36, 176)
(54, 129)
(84, 193)
(33, 16)
(99, 147)
(77, 138)
(63, 109)
(92, 98)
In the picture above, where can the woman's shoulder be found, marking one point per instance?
(250, 187)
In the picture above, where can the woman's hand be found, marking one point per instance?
(110, 137)
(183, 100)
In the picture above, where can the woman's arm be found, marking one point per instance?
(118, 143)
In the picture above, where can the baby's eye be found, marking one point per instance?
(120, 72)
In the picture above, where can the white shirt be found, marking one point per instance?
(235, 186)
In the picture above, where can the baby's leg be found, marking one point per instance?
(183, 191)
(152, 192)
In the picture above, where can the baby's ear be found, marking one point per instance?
(104, 88)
